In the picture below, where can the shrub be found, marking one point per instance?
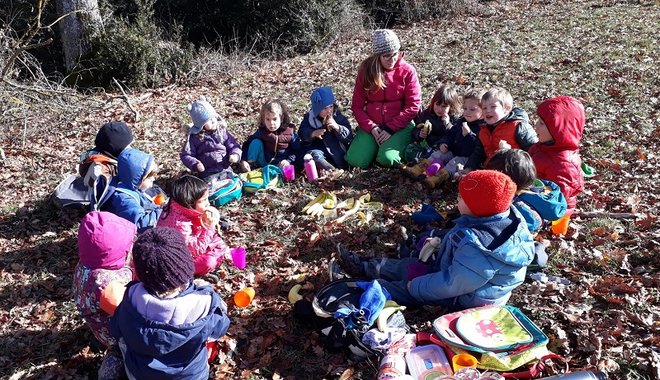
(387, 13)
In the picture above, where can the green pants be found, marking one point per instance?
(364, 148)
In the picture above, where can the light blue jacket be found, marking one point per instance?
(480, 261)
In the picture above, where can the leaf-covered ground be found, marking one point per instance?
(603, 52)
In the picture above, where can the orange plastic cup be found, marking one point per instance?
(244, 297)
(560, 226)
(463, 361)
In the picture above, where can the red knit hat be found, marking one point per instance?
(487, 192)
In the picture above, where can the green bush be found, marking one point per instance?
(387, 13)
(136, 51)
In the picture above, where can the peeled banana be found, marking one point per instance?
(293, 294)
(384, 315)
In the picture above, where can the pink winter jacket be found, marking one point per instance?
(201, 240)
(394, 106)
(559, 160)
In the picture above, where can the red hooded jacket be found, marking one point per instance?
(559, 160)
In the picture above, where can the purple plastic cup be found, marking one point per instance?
(238, 257)
(433, 169)
(416, 269)
(289, 172)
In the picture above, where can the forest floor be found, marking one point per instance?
(602, 52)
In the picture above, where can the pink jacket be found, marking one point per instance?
(201, 240)
(559, 161)
(394, 106)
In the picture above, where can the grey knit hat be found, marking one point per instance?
(384, 41)
(162, 260)
(200, 112)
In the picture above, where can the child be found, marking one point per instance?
(442, 111)
(104, 241)
(325, 132)
(209, 147)
(275, 141)
(505, 126)
(478, 262)
(557, 154)
(189, 212)
(539, 201)
(136, 172)
(165, 320)
(459, 142)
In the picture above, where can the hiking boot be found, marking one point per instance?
(350, 262)
(335, 272)
(432, 181)
(413, 171)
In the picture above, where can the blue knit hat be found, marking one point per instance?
(200, 111)
(321, 98)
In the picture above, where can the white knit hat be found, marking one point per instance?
(385, 41)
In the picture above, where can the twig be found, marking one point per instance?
(127, 100)
(605, 214)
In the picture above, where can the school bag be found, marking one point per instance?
(546, 198)
(502, 338)
(344, 330)
(268, 177)
(225, 190)
(71, 193)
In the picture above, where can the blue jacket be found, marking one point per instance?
(127, 200)
(159, 350)
(480, 261)
(334, 144)
(459, 145)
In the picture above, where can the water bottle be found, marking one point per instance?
(391, 367)
(580, 375)
(310, 168)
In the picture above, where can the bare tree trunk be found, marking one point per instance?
(82, 21)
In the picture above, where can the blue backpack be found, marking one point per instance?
(268, 177)
(225, 190)
(546, 198)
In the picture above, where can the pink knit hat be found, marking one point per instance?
(104, 240)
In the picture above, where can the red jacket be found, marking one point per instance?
(559, 160)
(394, 106)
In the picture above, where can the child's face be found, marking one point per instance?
(494, 111)
(462, 207)
(211, 125)
(327, 111)
(272, 121)
(148, 180)
(389, 60)
(202, 203)
(542, 131)
(441, 109)
(471, 110)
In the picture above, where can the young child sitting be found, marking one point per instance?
(459, 142)
(557, 154)
(166, 319)
(325, 132)
(104, 241)
(136, 172)
(506, 127)
(441, 113)
(209, 147)
(478, 262)
(275, 141)
(188, 211)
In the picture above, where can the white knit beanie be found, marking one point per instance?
(384, 41)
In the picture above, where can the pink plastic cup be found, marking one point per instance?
(238, 257)
(289, 172)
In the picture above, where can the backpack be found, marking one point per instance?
(71, 193)
(225, 190)
(345, 332)
(546, 198)
(501, 337)
(90, 187)
(268, 177)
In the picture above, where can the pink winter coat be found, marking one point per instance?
(559, 161)
(104, 240)
(206, 247)
(394, 106)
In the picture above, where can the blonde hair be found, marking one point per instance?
(501, 95)
(274, 106)
(475, 94)
(447, 95)
(374, 75)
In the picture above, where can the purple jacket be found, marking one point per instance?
(211, 149)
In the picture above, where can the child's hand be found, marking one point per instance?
(234, 158)
(423, 133)
(461, 173)
(504, 145)
(465, 128)
(331, 124)
(445, 120)
(245, 166)
(444, 148)
(200, 167)
(318, 133)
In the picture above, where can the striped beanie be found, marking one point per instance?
(384, 41)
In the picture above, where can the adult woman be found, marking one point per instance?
(386, 98)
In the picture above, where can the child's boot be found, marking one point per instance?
(432, 181)
(413, 171)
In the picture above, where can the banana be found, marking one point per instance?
(385, 315)
(293, 294)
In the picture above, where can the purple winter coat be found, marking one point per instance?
(211, 149)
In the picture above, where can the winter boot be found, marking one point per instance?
(415, 171)
(433, 181)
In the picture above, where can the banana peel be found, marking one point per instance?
(385, 314)
(293, 295)
(324, 204)
(327, 205)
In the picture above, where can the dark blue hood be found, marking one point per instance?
(132, 166)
